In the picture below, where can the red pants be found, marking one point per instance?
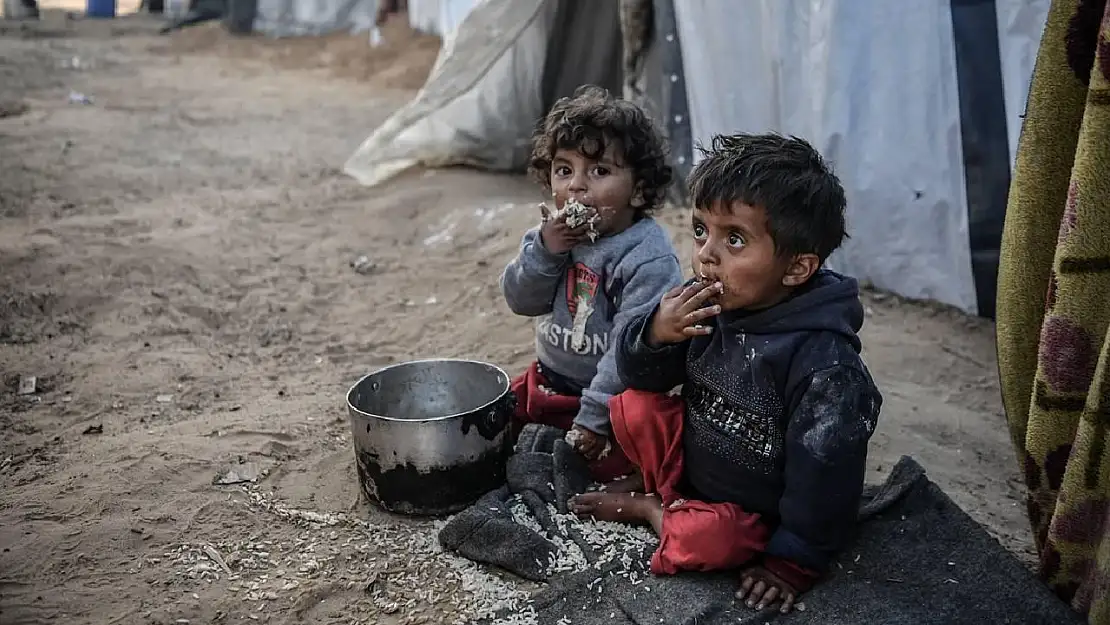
(536, 403)
(696, 536)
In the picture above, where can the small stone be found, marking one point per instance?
(238, 474)
(363, 265)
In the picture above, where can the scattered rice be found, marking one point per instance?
(610, 542)
(400, 566)
(523, 516)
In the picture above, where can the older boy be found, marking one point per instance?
(760, 463)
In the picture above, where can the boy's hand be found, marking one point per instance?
(680, 313)
(556, 236)
(589, 444)
(764, 589)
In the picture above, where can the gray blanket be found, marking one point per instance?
(918, 560)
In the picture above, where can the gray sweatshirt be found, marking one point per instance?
(582, 300)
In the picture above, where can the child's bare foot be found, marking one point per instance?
(619, 507)
(628, 484)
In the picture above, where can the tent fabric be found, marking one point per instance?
(1020, 25)
(582, 48)
(439, 17)
(983, 134)
(636, 24)
(652, 68)
(924, 159)
(835, 72)
(664, 92)
(499, 70)
(288, 18)
(480, 103)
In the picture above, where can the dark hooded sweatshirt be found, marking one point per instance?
(779, 411)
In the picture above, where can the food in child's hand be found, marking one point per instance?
(579, 214)
(576, 215)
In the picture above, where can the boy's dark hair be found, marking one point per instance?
(591, 119)
(785, 176)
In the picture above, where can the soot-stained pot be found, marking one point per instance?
(431, 436)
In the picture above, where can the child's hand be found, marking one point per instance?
(764, 589)
(680, 313)
(591, 445)
(556, 236)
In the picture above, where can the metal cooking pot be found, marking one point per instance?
(431, 436)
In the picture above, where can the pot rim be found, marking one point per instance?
(351, 407)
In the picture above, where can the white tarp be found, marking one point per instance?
(1020, 25)
(288, 18)
(872, 84)
(285, 18)
(480, 103)
(439, 17)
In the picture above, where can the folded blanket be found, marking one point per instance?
(919, 558)
(1054, 304)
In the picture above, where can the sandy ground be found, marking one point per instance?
(175, 271)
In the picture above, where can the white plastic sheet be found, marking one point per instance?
(424, 15)
(1020, 26)
(283, 18)
(872, 84)
(439, 17)
(287, 18)
(480, 103)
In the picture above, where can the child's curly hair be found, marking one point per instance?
(591, 119)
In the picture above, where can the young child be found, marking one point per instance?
(584, 282)
(760, 462)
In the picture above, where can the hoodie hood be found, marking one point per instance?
(829, 302)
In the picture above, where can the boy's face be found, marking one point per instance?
(606, 184)
(733, 246)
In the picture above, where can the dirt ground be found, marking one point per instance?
(175, 270)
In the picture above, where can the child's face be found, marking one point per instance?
(606, 184)
(733, 246)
